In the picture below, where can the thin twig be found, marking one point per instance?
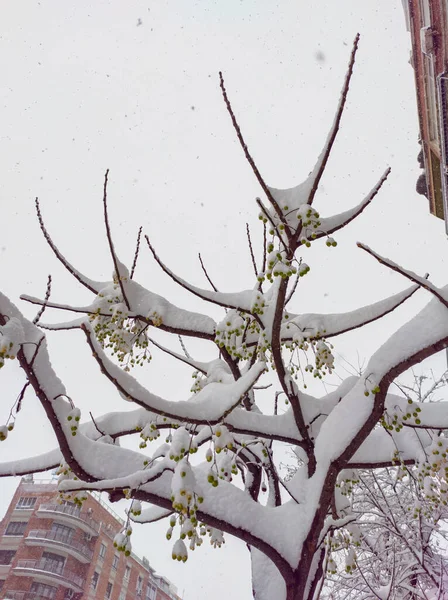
(21, 396)
(184, 348)
(83, 280)
(269, 218)
(251, 250)
(206, 274)
(44, 305)
(137, 249)
(85, 310)
(111, 244)
(96, 426)
(263, 268)
(36, 352)
(249, 158)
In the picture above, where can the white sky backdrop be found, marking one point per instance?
(84, 87)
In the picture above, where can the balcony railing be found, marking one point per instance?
(71, 511)
(50, 567)
(60, 538)
(16, 595)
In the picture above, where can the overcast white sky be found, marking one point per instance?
(133, 87)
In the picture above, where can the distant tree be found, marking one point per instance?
(221, 449)
(396, 547)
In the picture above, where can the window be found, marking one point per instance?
(53, 562)
(43, 591)
(127, 573)
(151, 592)
(95, 578)
(102, 551)
(109, 590)
(62, 532)
(26, 503)
(16, 528)
(139, 587)
(2, 583)
(115, 562)
(6, 556)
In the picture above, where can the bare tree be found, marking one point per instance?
(263, 338)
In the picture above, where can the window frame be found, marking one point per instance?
(11, 526)
(64, 532)
(95, 580)
(102, 554)
(7, 551)
(151, 591)
(26, 505)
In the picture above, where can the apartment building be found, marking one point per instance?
(60, 552)
(427, 22)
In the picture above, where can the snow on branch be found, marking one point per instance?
(208, 406)
(90, 284)
(352, 419)
(33, 464)
(331, 224)
(249, 158)
(238, 300)
(203, 367)
(121, 272)
(319, 167)
(86, 310)
(421, 281)
(314, 325)
(145, 306)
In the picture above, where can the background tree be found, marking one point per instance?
(396, 547)
(228, 421)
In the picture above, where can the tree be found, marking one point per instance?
(259, 341)
(396, 546)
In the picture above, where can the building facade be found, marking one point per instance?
(50, 550)
(427, 22)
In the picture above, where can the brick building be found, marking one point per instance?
(59, 551)
(427, 22)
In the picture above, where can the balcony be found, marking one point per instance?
(57, 540)
(66, 513)
(48, 571)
